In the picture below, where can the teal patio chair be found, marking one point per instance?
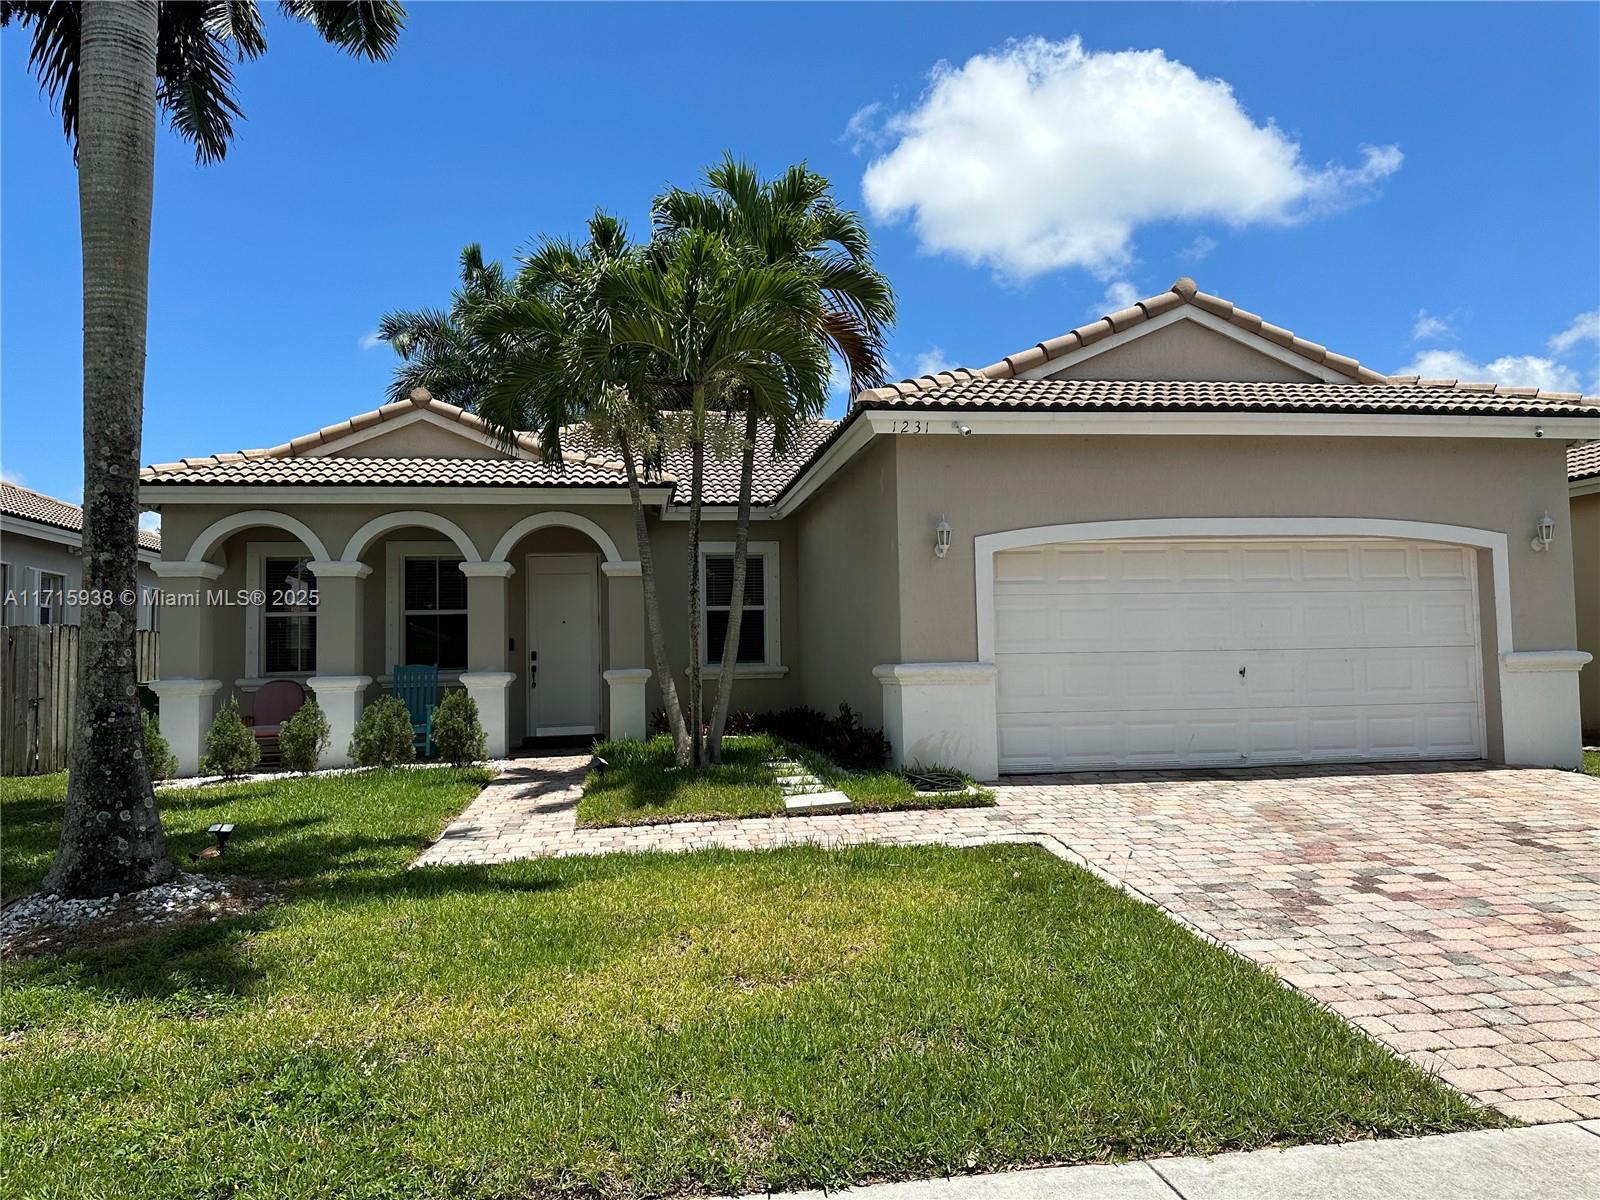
(418, 689)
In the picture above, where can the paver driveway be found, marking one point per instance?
(1452, 911)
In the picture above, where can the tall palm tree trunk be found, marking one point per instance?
(696, 652)
(652, 606)
(111, 837)
(741, 559)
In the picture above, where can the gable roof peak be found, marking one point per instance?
(1185, 287)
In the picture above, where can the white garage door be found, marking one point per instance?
(1205, 653)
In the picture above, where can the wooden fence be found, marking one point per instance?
(39, 693)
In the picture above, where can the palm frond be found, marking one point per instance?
(366, 28)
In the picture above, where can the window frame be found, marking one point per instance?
(255, 615)
(394, 610)
(771, 666)
(58, 610)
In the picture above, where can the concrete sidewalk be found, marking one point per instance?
(1543, 1162)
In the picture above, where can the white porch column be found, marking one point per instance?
(340, 685)
(186, 688)
(627, 706)
(488, 690)
(186, 711)
(1539, 708)
(341, 698)
(486, 679)
(942, 714)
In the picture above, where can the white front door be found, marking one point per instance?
(1210, 653)
(563, 663)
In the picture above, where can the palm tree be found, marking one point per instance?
(110, 65)
(789, 222)
(438, 350)
(555, 364)
(716, 331)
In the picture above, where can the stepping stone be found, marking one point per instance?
(815, 801)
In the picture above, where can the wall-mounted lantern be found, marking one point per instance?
(941, 538)
(1544, 532)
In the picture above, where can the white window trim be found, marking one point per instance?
(394, 599)
(772, 666)
(59, 608)
(255, 560)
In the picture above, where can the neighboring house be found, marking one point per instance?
(1176, 537)
(41, 542)
(1583, 481)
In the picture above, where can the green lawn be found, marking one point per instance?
(641, 786)
(639, 1026)
(1591, 762)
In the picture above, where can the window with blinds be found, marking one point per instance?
(719, 596)
(289, 617)
(435, 614)
(52, 597)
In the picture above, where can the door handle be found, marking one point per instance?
(533, 668)
(1241, 672)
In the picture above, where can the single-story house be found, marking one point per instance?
(1179, 536)
(1583, 484)
(41, 565)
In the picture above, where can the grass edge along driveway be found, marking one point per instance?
(642, 786)
(643, 1025)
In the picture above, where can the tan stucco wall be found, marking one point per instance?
(1586, 592)
(1183, 350)
(849, 584)
(987, 484)
(418, 440)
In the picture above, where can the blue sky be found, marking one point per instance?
(1396, 182)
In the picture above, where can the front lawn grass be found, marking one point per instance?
(642, 786)
(1591, 762)
(642, 1025)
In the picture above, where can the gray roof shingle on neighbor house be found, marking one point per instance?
(1583, 461)
(17, 501)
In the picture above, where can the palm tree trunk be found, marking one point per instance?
(741, 558)
(697, 443)
(111, 837)
(652, 606)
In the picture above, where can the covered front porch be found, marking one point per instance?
(537, 612)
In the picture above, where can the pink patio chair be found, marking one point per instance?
(276, 701)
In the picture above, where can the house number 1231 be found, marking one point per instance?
(912, 427)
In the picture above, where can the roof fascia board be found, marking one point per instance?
(18, 526)
(840, 451)
(1167, 422)
(1584, 487)
(163, 494)
(1187, 312)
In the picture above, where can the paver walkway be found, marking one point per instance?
(1450, 910)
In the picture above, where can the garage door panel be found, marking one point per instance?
(1131, 654)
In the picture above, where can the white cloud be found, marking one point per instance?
(1514, 370)
(864, 131)
(1042, 155)
(150, 521)
(1429, 328)
(371, 341)
(1585, 327)
(1119, 294)
(931, 361)
(12, 477)
(1199, 249)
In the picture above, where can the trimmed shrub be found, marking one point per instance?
(159, 760)
(231, 748)
(843, 739)
(383, 735)
(457, 734)
(303, 738)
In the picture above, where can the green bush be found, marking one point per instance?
(457, 733)
(159, 759)
(303, 738)
(231, 748)
(383, 735)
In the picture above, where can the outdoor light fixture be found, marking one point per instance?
(1544, 532)
(963, 430)
(599, 764)
(941, 538)
(221, 833)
